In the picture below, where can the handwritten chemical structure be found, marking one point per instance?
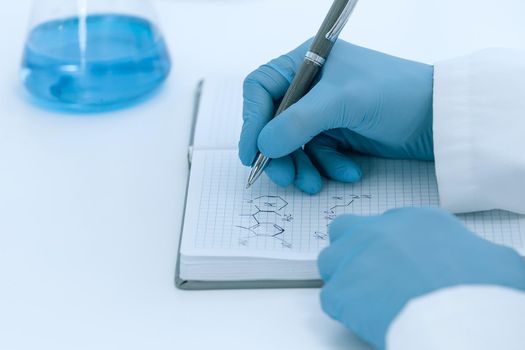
(321, 236)
(267, 219)
(340, 204)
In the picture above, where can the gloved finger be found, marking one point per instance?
(307, 178)
(298, 124)
(330, 259)
(333, 164)
(344, 225)
(262, 88)
(348, 285)
(342, 252)
(281, 171)
(340, 287)
(349, 237)
(331, 302)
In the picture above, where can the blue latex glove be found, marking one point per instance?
(364, 101)
(375, 265)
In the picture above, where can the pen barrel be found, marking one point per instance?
(332, 25)
(321, 47)
(301, 84)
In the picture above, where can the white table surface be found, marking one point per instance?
(91, 206)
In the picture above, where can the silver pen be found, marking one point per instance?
(314, 60)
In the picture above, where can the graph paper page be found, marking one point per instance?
(219, 119)
(266, 221)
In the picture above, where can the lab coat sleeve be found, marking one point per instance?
(461, 318)
(479, 131)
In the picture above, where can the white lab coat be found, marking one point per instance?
(479, 146)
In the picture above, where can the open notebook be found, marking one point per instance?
(269, 236)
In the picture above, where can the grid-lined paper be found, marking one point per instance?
(224, 219)
(220, 114)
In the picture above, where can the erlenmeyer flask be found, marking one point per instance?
(93, 55)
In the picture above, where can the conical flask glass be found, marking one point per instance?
(93, 55)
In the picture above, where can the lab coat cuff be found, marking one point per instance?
(478, 131)
(452, 135)
(463, 317)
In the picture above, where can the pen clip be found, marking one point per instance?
(333, 33)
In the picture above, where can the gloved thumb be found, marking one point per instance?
(299, 124)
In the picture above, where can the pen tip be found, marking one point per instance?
(248, 185)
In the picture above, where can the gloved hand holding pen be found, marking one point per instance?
(364, 102)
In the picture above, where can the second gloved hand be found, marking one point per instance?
(376, 265)
(364, 102)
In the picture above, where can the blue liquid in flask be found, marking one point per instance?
(104, 62)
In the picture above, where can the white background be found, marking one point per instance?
(91, 206)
